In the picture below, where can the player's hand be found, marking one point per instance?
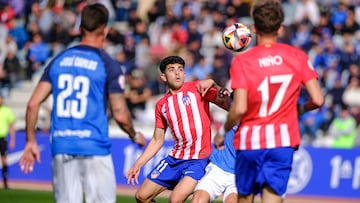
(204, 85)
(219, 141)
(223, 92)
(140, 139)
(31, 154)
(132, 175)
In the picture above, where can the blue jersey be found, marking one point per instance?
(81, 79)
(225, 158)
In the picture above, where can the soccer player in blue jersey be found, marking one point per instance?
(220, 172)
(82, 80)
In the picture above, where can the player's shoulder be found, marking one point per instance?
(190, 84)
(291, 50)
(163, 99)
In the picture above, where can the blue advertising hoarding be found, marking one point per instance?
(316, 171)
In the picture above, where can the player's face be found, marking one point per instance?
(174, 76)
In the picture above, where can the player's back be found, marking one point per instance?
(79, 122)
(272, 75)
(225, 158)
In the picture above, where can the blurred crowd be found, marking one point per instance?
(143, 32)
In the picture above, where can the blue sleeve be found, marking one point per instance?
(45, 77)
(115, 77)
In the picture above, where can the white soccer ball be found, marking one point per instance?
(236, 37)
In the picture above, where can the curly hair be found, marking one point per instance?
(171, 60)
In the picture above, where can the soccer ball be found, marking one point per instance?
(236, 37)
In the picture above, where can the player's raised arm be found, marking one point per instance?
(222, 98)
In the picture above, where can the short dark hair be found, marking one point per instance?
(171, 60)
(94, 16)
(268, 17)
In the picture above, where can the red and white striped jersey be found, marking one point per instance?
(272, 75)
(187, 115)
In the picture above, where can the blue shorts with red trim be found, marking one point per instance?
(169, 171)
(255, 169)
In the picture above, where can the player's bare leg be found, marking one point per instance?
(200, 196)
(148, 191)
(183, 190)
(269, 196)
(246, 198)
(231, 198)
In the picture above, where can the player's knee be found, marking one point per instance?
(141, 197)
(176, 198)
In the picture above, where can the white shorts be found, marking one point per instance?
(217, 182)
(74, 176)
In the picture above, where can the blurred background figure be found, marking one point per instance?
(7, 120)
(137, 93)
(311, 123)
(342, 129)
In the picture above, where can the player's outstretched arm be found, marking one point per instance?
(123, 118)
(155, 144)
(31, 151)
(223, 98)
(204, 85)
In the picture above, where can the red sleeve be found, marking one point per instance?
(308, 72)
(160, 122)
(211, 94)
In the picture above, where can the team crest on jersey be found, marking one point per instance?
(186, 100)
(163, 110)
(154, 174)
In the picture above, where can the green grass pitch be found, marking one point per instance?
(30, 196)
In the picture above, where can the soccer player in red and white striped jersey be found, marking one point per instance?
(185, 111)
(266, 81)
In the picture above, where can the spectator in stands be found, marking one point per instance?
(352, 92)
(202, 70)
(12, 69)
(342, 129)
(43, 16)
(18, 32)
(137, 93)
(307, 11)
(336, 94)
(38, 53)
(7, 45)
(311, 122)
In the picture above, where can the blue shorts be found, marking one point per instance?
(258, 168)
(169, 171)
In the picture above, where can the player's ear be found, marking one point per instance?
(106, 30)
(253, 28)
(280, 31)
(163, 77)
